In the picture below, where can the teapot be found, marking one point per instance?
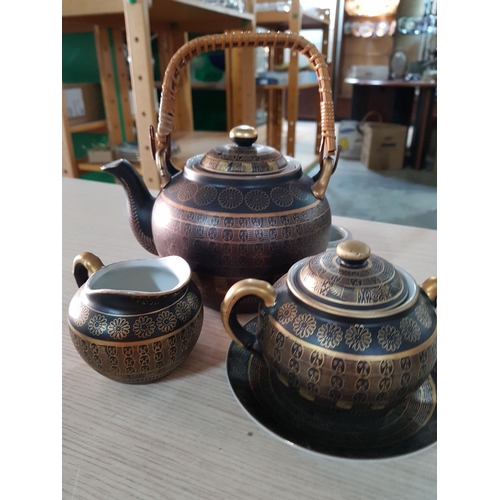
(242, 210)
(134, 321)
(343, 327)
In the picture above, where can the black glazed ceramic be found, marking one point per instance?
(409, 427)
(242, 210)
(134, 321)
(342, 327)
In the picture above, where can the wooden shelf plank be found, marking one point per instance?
(97, 126)
(84, 166)
(91, 7)
(284, 86)
(280, 20)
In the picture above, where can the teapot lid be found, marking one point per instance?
(351, 281)
(243, 157)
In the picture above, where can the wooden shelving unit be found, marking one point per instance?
(172, 20)
(295, 20)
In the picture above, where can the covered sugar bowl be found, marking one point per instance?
(343, 326)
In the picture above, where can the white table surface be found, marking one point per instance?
(186, 436)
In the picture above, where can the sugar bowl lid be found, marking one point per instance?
(351, 281)
(243, 157)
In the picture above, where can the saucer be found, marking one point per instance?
(409, 427)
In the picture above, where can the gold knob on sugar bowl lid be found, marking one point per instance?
(353, 251)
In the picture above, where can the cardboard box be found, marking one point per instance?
(83, 102)
(101, 156)
(349, 138)
(383, 146)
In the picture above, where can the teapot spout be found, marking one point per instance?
(140, 201)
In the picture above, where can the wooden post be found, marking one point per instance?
(295, 24)
(183, 119)
(106, 74)
(69, 166)
(241, 80)
(123, 82)
(141, 72)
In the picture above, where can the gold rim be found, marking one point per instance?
(138, 313)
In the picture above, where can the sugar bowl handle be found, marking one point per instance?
(85, 265)
(430, 287)
(259, 288)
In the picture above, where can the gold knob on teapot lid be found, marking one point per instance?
(243, 135)
(353, 252)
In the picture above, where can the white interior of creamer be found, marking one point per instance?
(148, 275)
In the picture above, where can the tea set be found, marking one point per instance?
(340, 356)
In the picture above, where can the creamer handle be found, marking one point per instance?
(85, 265)
(259, 288)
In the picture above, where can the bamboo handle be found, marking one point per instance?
(292, 41)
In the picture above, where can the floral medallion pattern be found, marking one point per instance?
(423, 315)
(183, 311)
(193, 301)
(299, 191)
(144, 327)
(187, 191)
(410, 329)
(329, 335)
(230, 198)
(389, 338)
(119, 328)
(98, 324)
(166, 321)
(257, 200)
(282, 197)
(287, 313)
(304, 325)
(82, 317)
(358, 337)
(205, 195)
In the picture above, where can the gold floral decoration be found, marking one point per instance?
(287, 313)
(166, 321)
(410, 329)
(257, 200)
(304, 325)
(193, 301)
(205, 195)
(282, 197)
(230, 198)
(423, 316)
(187, 191)
(389, 338)
(82, 317)
(358, 337)
(97, 324)
(299, 191)
(119, 328)
(329, 335)
(183, 311)
(144, 327)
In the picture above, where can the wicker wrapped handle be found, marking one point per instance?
(161, 150)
